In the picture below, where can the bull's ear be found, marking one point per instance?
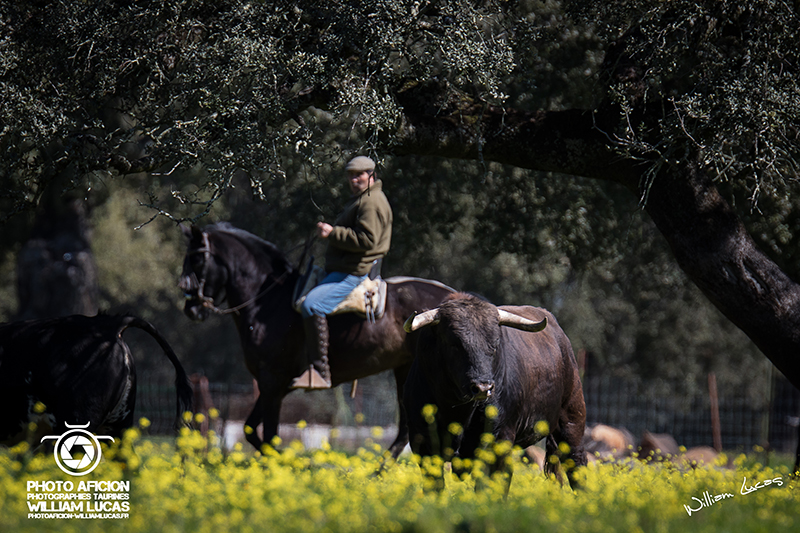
(416, 321)
(515, 321)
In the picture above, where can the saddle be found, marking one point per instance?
(368, 299)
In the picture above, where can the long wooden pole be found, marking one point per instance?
(715, 425)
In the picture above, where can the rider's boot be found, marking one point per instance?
(318, 374)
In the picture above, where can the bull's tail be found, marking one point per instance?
(182, 385)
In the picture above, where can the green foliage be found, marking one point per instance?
(580, 249)
(557, 59)
(163, 85)
(225, 86)
(8, 297)
(136, 266)
(725, 75)
(230, 101)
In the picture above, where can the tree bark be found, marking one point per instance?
(707, 238)
(713, 247)
(56, 272)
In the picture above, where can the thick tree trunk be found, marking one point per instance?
(712, 246)
(708, 239)
(56, 271)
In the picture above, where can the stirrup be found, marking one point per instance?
(310, 379)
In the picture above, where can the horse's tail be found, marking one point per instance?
(182, 385)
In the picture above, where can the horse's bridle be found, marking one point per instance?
(208, 301)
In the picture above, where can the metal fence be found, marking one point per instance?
(609, 401)
(374, 403)
(773, 425)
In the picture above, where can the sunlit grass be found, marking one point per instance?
(189, 483)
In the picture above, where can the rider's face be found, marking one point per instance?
(359, 181)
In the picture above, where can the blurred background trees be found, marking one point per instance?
(119, 119)
(582, 250)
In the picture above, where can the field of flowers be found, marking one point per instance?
(189, 484)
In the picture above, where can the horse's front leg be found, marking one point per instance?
(265, 413)
(252, 423)
(270, 411)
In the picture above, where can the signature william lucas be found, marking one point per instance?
(707, 499)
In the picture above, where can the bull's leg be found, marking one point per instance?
(504, 464)
(573, 436)
(433, 465)
(400, 375)
(425, 439)
(572, 425)
(552, 464)
(424, 442)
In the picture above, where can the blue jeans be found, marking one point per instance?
(330, 292)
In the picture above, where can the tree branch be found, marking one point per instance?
(439, 121)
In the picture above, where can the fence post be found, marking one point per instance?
(765, 418)
(715, 425)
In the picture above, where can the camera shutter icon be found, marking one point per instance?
(71, 443)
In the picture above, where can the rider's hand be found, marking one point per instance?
(323, 229)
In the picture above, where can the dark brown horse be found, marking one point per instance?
(256, 280)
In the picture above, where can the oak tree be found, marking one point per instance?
(692, 106)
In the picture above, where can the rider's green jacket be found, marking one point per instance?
(361, 233)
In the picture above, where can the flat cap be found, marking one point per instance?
(360, 164)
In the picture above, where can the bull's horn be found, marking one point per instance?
(416, 321)
(515, 321)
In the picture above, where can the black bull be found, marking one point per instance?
(466, 360)
(80, 369)
(224, 263)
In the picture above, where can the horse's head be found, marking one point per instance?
(204, 277)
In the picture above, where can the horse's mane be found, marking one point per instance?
(251, 241)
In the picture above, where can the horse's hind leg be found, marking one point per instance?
(396, 448)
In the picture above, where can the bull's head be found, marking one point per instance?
(467, 337)
(202, 279)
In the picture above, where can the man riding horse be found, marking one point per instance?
(360, 236)
(225, 264)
